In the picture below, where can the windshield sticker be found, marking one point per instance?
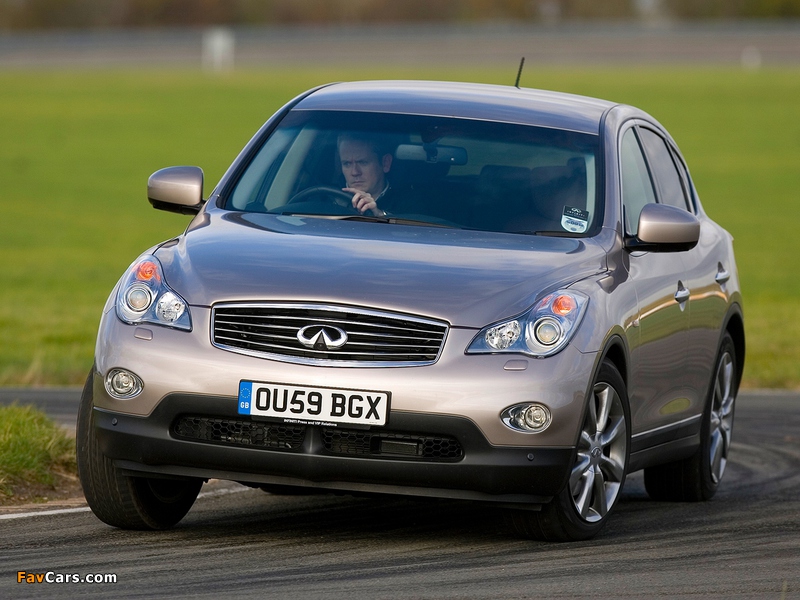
(575, 220)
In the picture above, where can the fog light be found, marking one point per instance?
(529, 418)
(536, 417)
(122, 384)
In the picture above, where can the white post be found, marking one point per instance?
(218, 49)
(751, 58)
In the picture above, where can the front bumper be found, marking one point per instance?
(474, 387)
(156, 445)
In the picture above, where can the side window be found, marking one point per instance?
(664, 169)
(252, 188)
(687, 181)
(637, 189)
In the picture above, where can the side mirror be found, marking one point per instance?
(664, 228)
(176, 189)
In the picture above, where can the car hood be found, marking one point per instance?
(467, 278)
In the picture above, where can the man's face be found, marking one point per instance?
(363, 169)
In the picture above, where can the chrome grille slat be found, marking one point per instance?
(375, 338)
(234, 324)
(355, 334)
(434, 347)
(237, 334)
(235, 340)
(325, 353)
(256, 340)
(337, 322)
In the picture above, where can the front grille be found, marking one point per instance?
(373, 338)
(238, 432)
(353, 442)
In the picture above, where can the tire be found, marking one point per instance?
(697, 478)
(121, 500)
(583, 506)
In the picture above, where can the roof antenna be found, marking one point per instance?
(519, 73)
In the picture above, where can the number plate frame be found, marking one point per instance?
(298, 404)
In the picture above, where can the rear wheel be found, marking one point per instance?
(121, 500)
(697, 478)
(598, 474)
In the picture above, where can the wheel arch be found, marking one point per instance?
(616, 353)
(734, 325)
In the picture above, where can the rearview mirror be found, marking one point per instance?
(432, 153)
(664, 228)
(176, 189)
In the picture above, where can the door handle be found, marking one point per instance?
(682, 295)
(722, 276)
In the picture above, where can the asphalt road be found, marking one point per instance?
(60, 403)
(747, 43)
(244, 543)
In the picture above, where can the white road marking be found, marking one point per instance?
(66, 511)
(61, 511)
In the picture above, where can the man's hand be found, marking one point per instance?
(363, 202)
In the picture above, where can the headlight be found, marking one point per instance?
(541, 331)
(144, 297)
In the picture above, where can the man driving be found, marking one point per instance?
(365, 166)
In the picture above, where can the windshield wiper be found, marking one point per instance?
(393, 220)
(569, 234)
(364, 218)
(291, 213)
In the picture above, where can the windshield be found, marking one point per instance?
(432, 170)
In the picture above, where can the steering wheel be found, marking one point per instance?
(331, 193)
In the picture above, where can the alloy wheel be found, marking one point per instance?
(721, 421)
(599, 471)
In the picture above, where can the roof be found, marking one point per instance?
(466, 100)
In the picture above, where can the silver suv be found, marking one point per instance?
(434, 289)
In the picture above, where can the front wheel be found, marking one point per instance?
(121, 500)
(582, 507)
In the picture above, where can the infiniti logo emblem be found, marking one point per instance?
(322, 337)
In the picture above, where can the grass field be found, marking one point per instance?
(34, 452)
(77, 149)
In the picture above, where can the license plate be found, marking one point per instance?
(311, 405)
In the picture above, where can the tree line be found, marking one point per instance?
(51, 14)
